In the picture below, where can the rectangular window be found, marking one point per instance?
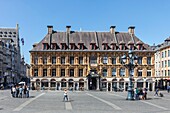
(113, 72)
(35, 72)
(165, 54)
(81, 46)
(149, 73)
(54, 46)
(93, 46)
(104, 72)
(71, 60)
(168, 53)
(63, 46)
(62, 60)
(44, 72)
(80, 72)
(165, 72)
(80, 60)
(71, 72)
(162, 64)
(53, 72)
(122, 72)
(168, 72)
(139, 73)
(168, 63)
(114, 60)
(165, 63)
(44, 60)
(72, 46)
(45, 46)
(162, 54)
(36, 60)
(62, 72)
(53, 60)
(149, 60)
(105, 60)
(140, 60)
(93, 60)
(105, 46)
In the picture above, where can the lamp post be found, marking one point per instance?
(130, 66)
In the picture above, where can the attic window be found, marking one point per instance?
(72, 45)
(81, 46)
(105, 46)
(1, 32)
(53, 46)
(45, 46)
(63, 46)
(113, 46)
(14, 36)
(10, 32)
(14, 32)
(5, 32)
(93, 46)
(0, 35)
(9, 35)
(5, 36)
(140, 47)
(131, 46)
(122, 46)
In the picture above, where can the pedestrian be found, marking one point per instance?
(136, 91)
(20, 91)
(144, 94)
(25, 91)
(13, 91)
(17, 91)
(65, 95)
(156, 92)
(168, 89)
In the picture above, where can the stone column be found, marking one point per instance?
(49, 84)
(111, 87)
(97, 84)
(107, 86)
(144, 84)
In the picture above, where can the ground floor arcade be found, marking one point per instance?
(92, 83)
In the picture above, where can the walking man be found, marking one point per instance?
(65, 95)
(156, 92)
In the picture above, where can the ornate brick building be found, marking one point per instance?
(90, 60)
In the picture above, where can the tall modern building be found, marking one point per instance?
(90, 60)
(10, 56)
(162, 64)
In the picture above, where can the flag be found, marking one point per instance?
(22, 40)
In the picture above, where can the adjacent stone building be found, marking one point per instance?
(83, 60)
(162, 64)
(10, 57)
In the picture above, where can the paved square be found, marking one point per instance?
(82, 102)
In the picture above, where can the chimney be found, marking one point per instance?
(131, 30)
(50, 29)
(68, 29)
(112, 29)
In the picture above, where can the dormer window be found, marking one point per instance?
(122, 47)
(45, 46)
(53, 46)
(81, 46)
(72, 45)
(63, 46)
(93, 46)
(105, 46)
(131, 46)
(140, 47)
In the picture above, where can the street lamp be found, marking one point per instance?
(130, 66)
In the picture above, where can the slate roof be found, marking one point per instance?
(89, 37)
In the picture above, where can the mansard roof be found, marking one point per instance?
(87, 37)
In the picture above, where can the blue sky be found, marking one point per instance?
(150, 17)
